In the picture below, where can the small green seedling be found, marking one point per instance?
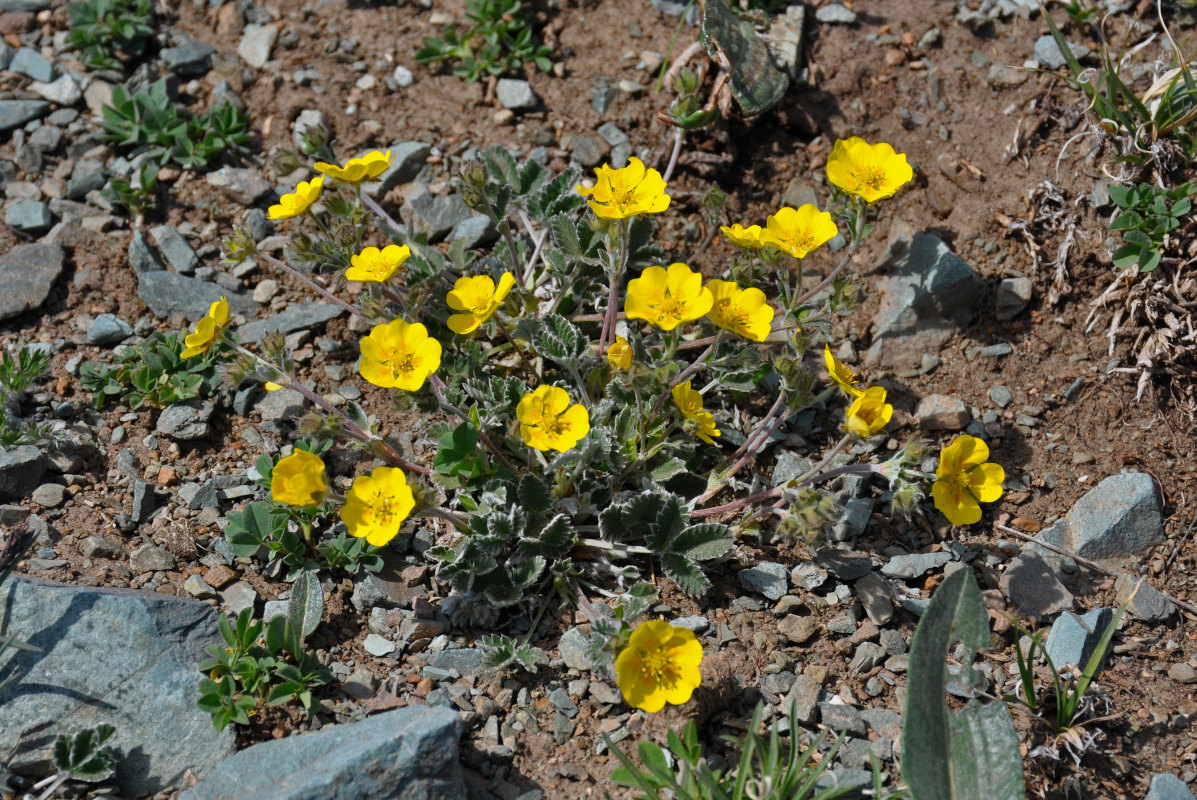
(497, 41)
(105, 30)
(1147, 215)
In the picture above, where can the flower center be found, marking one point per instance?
(622, 198)
(401, 362)
(553, 426)
(673, 307)
(656, 666)
(383, 510)
(871, 177)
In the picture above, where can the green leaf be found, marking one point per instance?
(685, 573)
(756, 83)
(1120, 194)
(970, 754)
(565, 235)
(559, 339)
(667, 469)
(1127, 220)
(306, 605)
(704, 541)
(534, 495)
(1127, 256)
(1149, 260)
(250, 528)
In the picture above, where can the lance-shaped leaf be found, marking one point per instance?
(306, 605)
(756, 83)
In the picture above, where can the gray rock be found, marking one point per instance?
(310, 122)
(843, 718)
(199, 496)
(31, 216)
(191, 59)
(15, 113)
(768, 578)
(575, 646)
(150, 558)
(803, 700)
(27, 272)
(185, 422)
(111, 656)
(64, 91)
(929, 291)
(1033, 588)
(1165, 786)
(515, 94)
(437, 215)
(853, 519)
(197, 588)
(612, 135)
(477, 231)
(698, 624)
(257, 42)
(174, 248)
(588, 150)
(49, 495)
(785, 39)
(835, 14)
(241, 185)
(914, 565)
(1048, 53)
(808, 575)
(1073, 639)
(939, 412)
(996, 350)
(167, 293)
(867, 656)
(298, 317)
(844, 564)
(143, 257)
(1148, 603)
(875, 596)
(797, 629)
(1182, 673)
(400, 754)
(1013, 295)
(24, 5)
(378, 646)
(21, 470)
(1001, 76)
(108, 329)
(99, 547)
(280, 404)
(88, 176)
(467, 661)
(1120, 517)
(1000, 395)
(6, 52)
(144, 501)
(237, 597)
(32, 64)
(407, 159)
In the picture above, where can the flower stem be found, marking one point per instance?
(608, 333)
(311, 284)
(686, 373)
(528, 368)
(678, 135)
(397, 227)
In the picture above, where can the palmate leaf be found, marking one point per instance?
(81, 754)
(557, 338)
(555, 540)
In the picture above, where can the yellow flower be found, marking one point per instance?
(871, 171)
(299, 480)
(376, 505)
(549, 422)
(869, 413)
(376, 266)
(293, 205)
(668, 298)
(622, 193)
(477, 298)
(368, 167)
(399, 355)
(965, 480)
(840, 374)
(744, 237)
(742, 311)
(619, 354)
(207, 329)
(659, 666)
(689, 402)
(798, 231)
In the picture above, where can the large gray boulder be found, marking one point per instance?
(406, 754)
(1118, 518)
(118, 656)
(27, 273)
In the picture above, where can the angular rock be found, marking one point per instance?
(21, 470)
(1165, 786)
(167, 293)
(32, 64)
(143, 257)
(150, 558)
(914, 565)
(174, 248)
(407, 159)
(400, 754)
(257, 42)
(241, 185)
(185, 422)
(1148, 603)
(768, 578)
(575, 649)
(477, 231)
(466, 660)
(15, 113)
(515, 95)
(111, 656)
(843, 564)
(835, 14)
(437, 215)
(191, 59)
(1033, 588)
(939, 412)
(875, 596)
(31, 216)
(867, 656)
(796, 628)
(1118, 518)
(1049, 54)
(64, 91)
(108, 329)
(1073, 639)
(27, 272)
(1001, 76)
(311, 121)
(238, 596)
(1013, 295)
(803, 700)
(854, 518)
(297, 317)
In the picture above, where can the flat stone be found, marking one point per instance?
(466, 660)
(853, 519)
(297, 317)
(408, 752)
(21, 471)
(237, 597)
(867, 656)
(407, 159)
(378, 646)
(99, 547)
(875, 596)
(1182, 673)
(515, 95)
(167, 293)
(185, 422)
(31, 216)
(575, 649)
(142, 682)
(32, 64)
(1148, 603)
(310, 121)
(437, 215)
(143, 257)
(197, 588)
(1049, 54)
(939, 412)
(802, 702)
(241, 185)
(49, 495)
(1118, 518)
(1033, 588)
(1165, 786)
(1013, 295)
(97, 95)
(1001, 76)
(15, 113)
(150, 558)
(835, 14)
(191, 59)
(768, 578)
(108, 329)
(27, 6)
(174, 248)
(1000, 395)
(477, 231)
(698, 624)
(796, 628)
(1073, 639)
(843, 564)
(144, 501)
(588, 150)
(843, 718)
(64, 91)
(257, 42)
(914, 565)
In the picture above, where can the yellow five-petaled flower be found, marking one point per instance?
(297, 203)
(742, 311)
(549, 422)
(964, 480)
(744, 237)
(667, 298)
(660, 665)
(870, 171)
(619, 354)
(207, 329)
(376, 266)
(840, 374)
(798, 231)
(376, 505)
(689, 402)
(356, 170)
(869, 413)
(623, 193)
(299, 480)
(476, 299)
(399, 355)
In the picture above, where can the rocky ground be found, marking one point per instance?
(960, 321)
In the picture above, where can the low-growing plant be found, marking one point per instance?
(107, 33)
(1148, 214)
(498, 40)
(264, 662)
(151, 119)
(152, 373)
(18, 373)
(83, 755)
(138, 193)
(767, 769)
